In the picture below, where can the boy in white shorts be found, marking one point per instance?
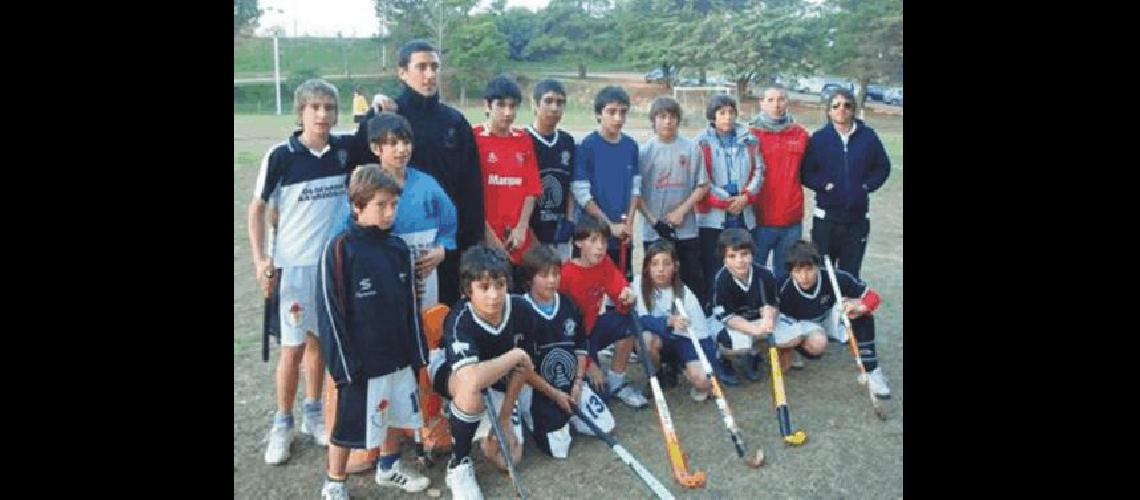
(807, 312)
(370, 335)
(303, 178)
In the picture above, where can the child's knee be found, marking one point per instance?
(795, 341)
(815, 343)
(697, 377)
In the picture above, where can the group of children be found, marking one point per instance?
(543, 296)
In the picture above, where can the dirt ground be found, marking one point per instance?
(849, 453)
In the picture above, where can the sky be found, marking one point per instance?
(353, 18)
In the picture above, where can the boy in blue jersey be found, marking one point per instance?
(304, 177)
(554, 149)
(371, 344)
(607, 183)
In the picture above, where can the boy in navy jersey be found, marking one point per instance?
(807, 310)
(482, 336)
(559, 349)
(555, 150)
(744, 300)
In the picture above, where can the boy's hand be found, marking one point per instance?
(264, 271)
(427, 261)
(675, 217)
(737, 204)
(627, 297)
(596, 377)
(678, 322)
(563, 400)
(618, 230)
(516, 237)
(522, 360)
(576, 391)
(386, 104)
(854, 308)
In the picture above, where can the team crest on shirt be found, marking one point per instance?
(491, 158)
(558, 366)
(449, 138)
(521, 158)
(364, 289)
(568, 327)
(342, 157)
(684, 160)
(460, 348)
(565, 158)
(295, 312)
(518, 339)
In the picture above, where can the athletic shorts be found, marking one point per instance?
(681, 348)
(298, 300)
(788, 328)
(485, 429)
(365, 410)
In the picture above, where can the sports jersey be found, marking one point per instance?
(554, 345)
(309, 190)
(670, 172)
(607, 174)
(587, 285)
(510, 174)
(425, 217)
(468, 339)
(817, 302)
(731, 297)
(555, 154)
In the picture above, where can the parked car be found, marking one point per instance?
(894, 96)
(655, 76)
(876, 92)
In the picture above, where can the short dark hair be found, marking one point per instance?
(608, 94)
(802, 253)
(664, 104)
(482, 261)
(548, 85)
(587, 226)
(366, 181)
(412, 46)
(388, 124)
(845, 93)
(719, 101)
(538, 259)
(734, 239)
(502, 87)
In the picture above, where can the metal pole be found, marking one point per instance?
(277, 73)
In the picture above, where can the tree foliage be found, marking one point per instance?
(246, 15)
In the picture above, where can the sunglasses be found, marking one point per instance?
(847, 105)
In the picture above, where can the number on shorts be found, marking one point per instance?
(594, 406)
(415, 403)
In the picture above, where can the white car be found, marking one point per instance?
(893, 96)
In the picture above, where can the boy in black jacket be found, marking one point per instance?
(370, 335)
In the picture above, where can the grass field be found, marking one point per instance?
(849, 453)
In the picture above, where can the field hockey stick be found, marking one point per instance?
(672, 445)
(753, 460)
(783, 415)
(503, 447)
(625, 456)
(851, 341)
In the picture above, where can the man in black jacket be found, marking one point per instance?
(444, 148)
(845, 161)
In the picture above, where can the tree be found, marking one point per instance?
(579, 30)
(484, 49)
(519, 25)
(865, 40)
(409, 19)
(246, 15)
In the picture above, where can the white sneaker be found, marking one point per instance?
(878, 383)
(406, 479)
(608, 354)
(697, 395)
(461, 481)
(277, 451)
(334, 490)
(632, 397)
(313, 424)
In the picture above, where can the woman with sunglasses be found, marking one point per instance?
(845, 162)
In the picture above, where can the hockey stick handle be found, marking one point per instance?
(625, 456)
(503, 447)
(718, 394)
